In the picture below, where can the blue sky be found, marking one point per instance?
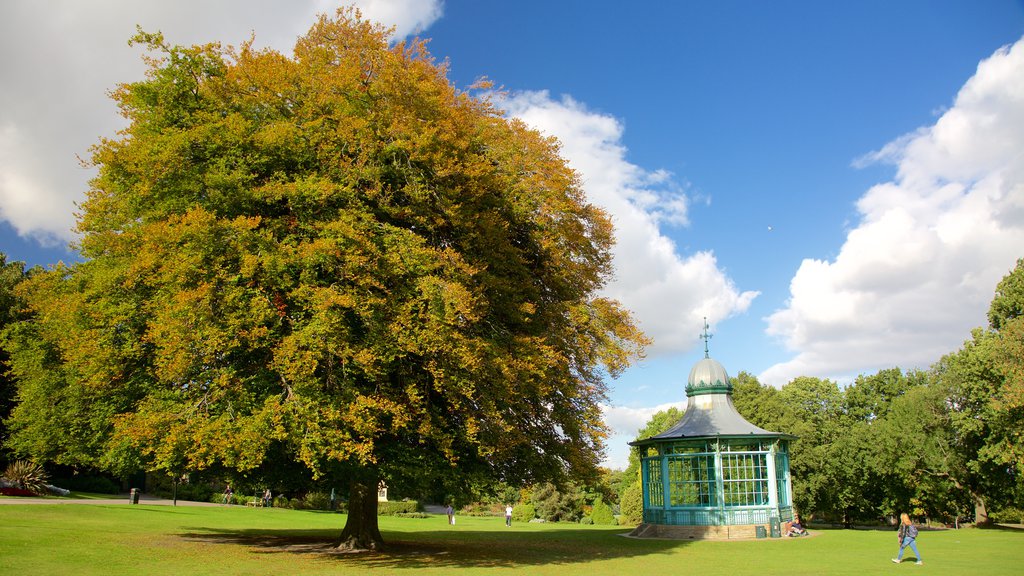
(837, 186)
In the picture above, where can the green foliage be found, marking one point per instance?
(83, 480)
(524, 512)
(632, 506)
(1008, 302)
(602, 514)
(482, 509)
(11, 311)
(96, 484)
(554, 505)
(1008, 515)
(412, 515)
(317, 501)
(813, 408)
(761, 405)
(870, 397)
(27, 476)
(391, 508)
(963, 425)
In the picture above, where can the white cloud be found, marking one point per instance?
(668, 293)
(409, 17)
(919, 270)
(63, 56)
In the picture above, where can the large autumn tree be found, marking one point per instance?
(334, 258)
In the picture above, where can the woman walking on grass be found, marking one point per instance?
(908, 537)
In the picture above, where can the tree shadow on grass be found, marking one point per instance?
(1006, 527)
(454, 549)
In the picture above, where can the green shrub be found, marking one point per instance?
(632, 505)
(1009, 515)
(398, 507)
(602, 513)
(413, 515)
(554, 505)
(586, 520)
(482, 509)
(523, 512)
(317, 501)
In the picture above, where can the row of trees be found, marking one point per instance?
(946, 443)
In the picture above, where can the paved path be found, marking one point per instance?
(143, 499)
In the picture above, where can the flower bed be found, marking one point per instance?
(16, 492)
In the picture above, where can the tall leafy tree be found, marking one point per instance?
(335, 258)
(1006, 317)
(966, 383)
(814, 407)
(11, 310)
(870, 485)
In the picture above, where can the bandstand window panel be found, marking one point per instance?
(655, 487)
(691, 480)
(745, 479)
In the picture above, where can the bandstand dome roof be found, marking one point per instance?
(707, 375)
(710, 412)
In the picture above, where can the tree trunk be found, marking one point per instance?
(980, 511)
(361, 532)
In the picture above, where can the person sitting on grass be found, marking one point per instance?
(795, 529)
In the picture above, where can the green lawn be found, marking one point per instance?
(158, 540)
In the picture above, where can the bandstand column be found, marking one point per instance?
(773, 484)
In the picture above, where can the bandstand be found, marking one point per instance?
(713, 475)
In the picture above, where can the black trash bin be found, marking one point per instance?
(133, 496)
(761, 532)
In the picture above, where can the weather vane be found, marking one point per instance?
(705, 337)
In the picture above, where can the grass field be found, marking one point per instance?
(164, 540)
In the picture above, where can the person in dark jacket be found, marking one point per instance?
(907, 535)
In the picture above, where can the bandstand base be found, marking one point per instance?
(673, 532)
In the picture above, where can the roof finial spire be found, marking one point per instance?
(705, 337)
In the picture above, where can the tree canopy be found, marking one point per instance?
(334, 258)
